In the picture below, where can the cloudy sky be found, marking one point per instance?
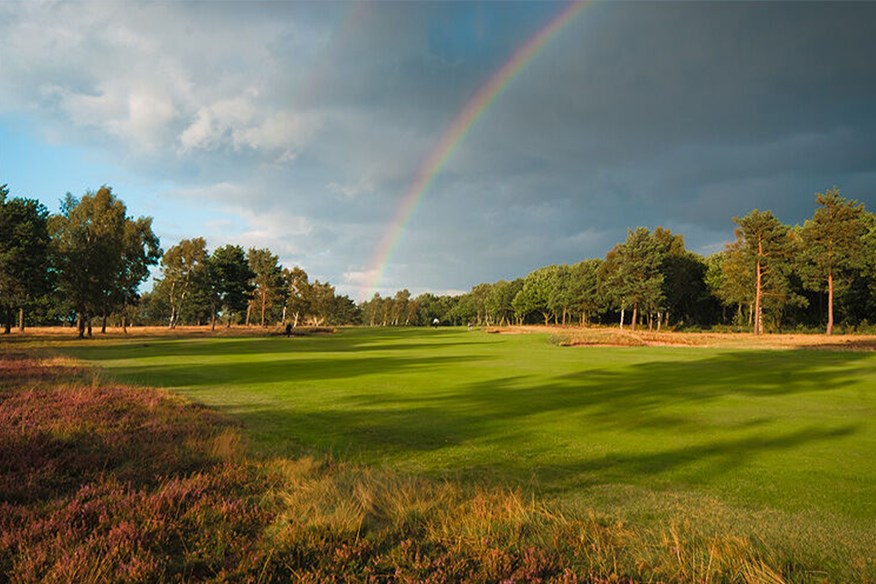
(302, 126)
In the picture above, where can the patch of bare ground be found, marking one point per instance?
(615, 337)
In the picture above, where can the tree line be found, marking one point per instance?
(772, 277)
(84, 266)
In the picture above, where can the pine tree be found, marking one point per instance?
(832, 247)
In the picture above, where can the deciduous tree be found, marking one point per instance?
(184, 268)
(88, 239)
(24, 255)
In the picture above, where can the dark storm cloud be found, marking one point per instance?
(306, 123)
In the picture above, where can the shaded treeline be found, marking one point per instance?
(86, 264)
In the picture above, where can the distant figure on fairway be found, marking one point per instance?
(435, 321)
(288, 329)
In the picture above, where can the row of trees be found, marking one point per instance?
(232, 286)
(87, 263)
(89, 259)
(771, 275)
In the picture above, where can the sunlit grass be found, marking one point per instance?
(722, 442)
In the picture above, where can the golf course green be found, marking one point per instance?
(775, 441)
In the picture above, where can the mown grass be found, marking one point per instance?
(687, 461)
(100, 482)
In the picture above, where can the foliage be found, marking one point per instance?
(24, 254)
(832, 248)
(763, 251)
(89, 238)
(184, 275)
(267, 281)
(230, 277)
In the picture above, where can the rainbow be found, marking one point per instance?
(455, 133)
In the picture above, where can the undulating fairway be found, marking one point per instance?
(781, 443)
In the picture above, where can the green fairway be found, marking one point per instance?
(786, 430)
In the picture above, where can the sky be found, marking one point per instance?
(305, 127)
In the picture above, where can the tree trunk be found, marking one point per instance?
(659, 321)
(21, 318)
(264, 306)
(622, 319)
(88, 324)
(248, 312)
(830, 302)
(7, 321)
(633, 322)
(758, 325)
(80, 324)
(103, 322)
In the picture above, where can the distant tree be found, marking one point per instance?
(535, 295)
(230, 277)
(499, 302)
(322, 302)
(343, 310)
(88, 238)
(832, 246)
(633, 272)
(561, 297)
(268, 280)
(727, 277)
(298, 296)
(426, 306)
(141, 250)
(400, 312)
(184, 271)
(479, 295)
(764, 246)
(684, 287)
(464, 309)
(585, 288)
(24, 255)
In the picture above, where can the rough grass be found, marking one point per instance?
(324, 518)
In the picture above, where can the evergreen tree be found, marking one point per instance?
(230, 277)
(764, 247)
(268, 280)
(632, 271)
(832, 247)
